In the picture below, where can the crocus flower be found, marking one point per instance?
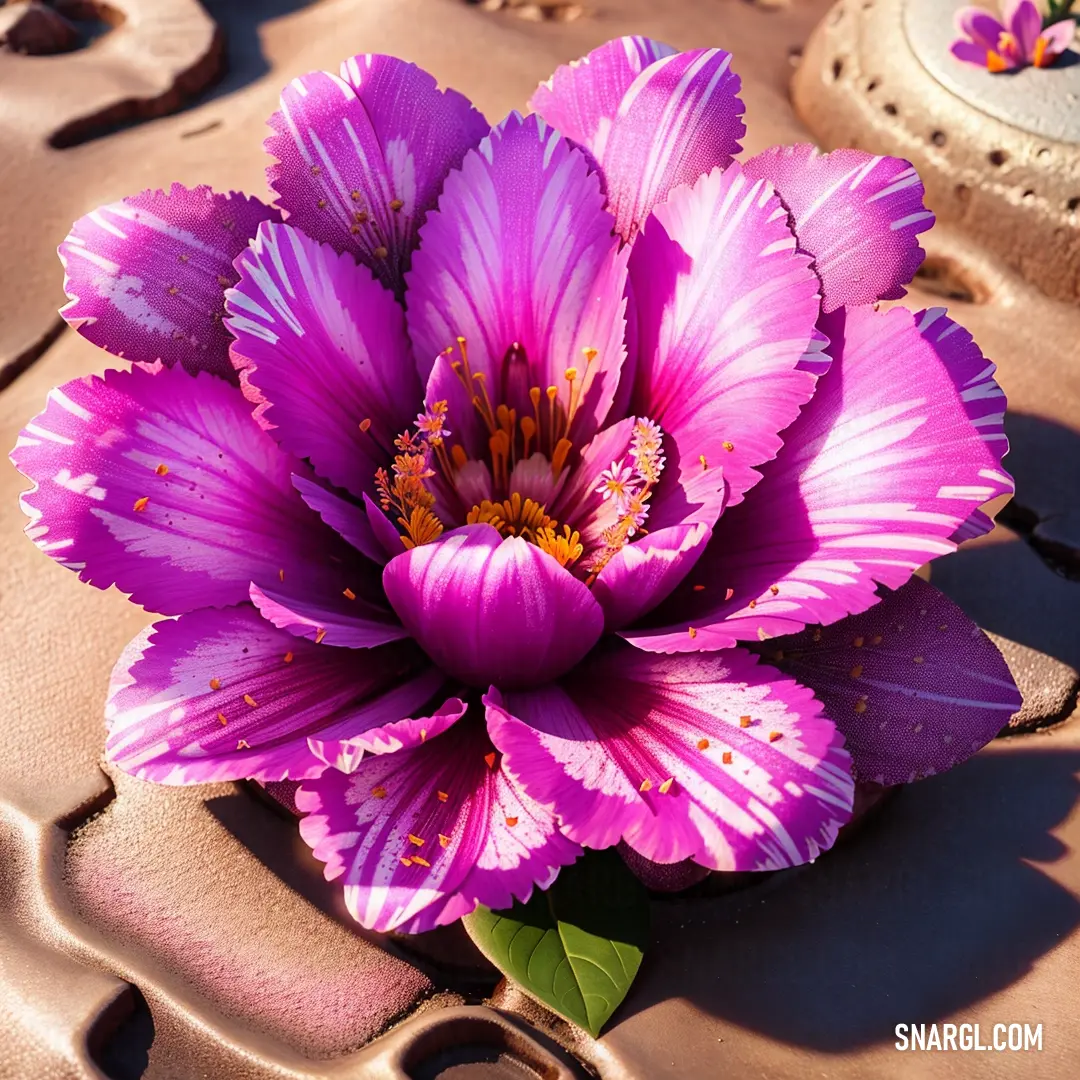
(1013, 43)
(512, 487)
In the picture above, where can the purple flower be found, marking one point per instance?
(554, 460)
(1013, 43)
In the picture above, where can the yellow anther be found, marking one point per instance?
(421, 861)
(406, 861)
(646, 785)
(665, 786)
(444, 841)
(558, 458)
(415, 840)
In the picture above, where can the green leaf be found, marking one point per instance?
(577, 947)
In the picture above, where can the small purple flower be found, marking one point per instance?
(529, 487)
(1013, 43)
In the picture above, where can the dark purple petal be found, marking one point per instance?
(970, 53)
(858, 215)
(146, 276)
(161, 483)
(679, 118)
(362, 158)
(979, 25)
(582, 99)
(726, 309)
(1025, 23)
(877, 474)
(421, 836)
(492, 610)
(222, 695)
(520, 251)
(984, 400)
(349, 521)
(913, 684)
(645, 572)
(715, 758)
(321, 346)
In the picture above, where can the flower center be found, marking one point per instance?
(433, 484)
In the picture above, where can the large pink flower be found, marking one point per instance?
(534, 426)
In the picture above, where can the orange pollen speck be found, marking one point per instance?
(421, 862)
(288, 658)
(774, 735)
(729, 593)
(423, 734)
(396, 204)
(729, 446)
(354, 195)
(444, 841)
(141, 504)
(380, 253)
(817, 634)
(665, 786)
(860, 706)
(251, 701)
(858, 642)
(223, 281)
(943, 626)
(415, 840)
(161, 470)
(281, 575)
(703, 744)
(918, 659)
(243, 744)
(704, 463)
(877, 639)
(215, 684)
(511, 821)
(443, 796)
(406, 861)
(752, 604)
(490, 759)
(173, 290)
(319, 635)
(221, 717)
(727, 757)
(691, 631)
(856, 671)
(348, 594)
(379, 792)
(646, 785)
(365, 423)
(321, 204)
(745, 721)
(774, 589)
(699, 588)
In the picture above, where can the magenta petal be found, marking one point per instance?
(349, 521)
(723, 381)
(856, 214)
(161, 483)
(384, 530)
(984, 400)
(979, 25)
(481, 839)
(643, 574)
(969, 53)
(492, 610)
(362, 157)
(914, 685)
(176, 682)
(877, 474)
(145, 276)
(652, 750)
(582, 99)
(1025, 22)
(520, 251)
(321, 346)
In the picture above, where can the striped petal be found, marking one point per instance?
(419, 837)
(856, 214)
(161, 483)
(362, 157)
(913, 684)
(223, 695)
(717, 758)
(876, 476)
(726, 309)
(322, 349)
(520, 253)
(146, 276)
(677, 119)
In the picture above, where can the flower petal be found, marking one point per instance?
(145, 276)
(1058, 37)
(520, 251)
(876, 475)
(161, 483)
(914, 685)
(1025, 23)
(679, 118)
(222, 695)
(488, 609)
(723, 375)
(984, 401)
(658, 751)
(856, 214)
(481, 840)
(582, 98)
(970, 53)
(644, 573)
(321, 345)
(349, 521)
(362, 158)
(979, 25)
